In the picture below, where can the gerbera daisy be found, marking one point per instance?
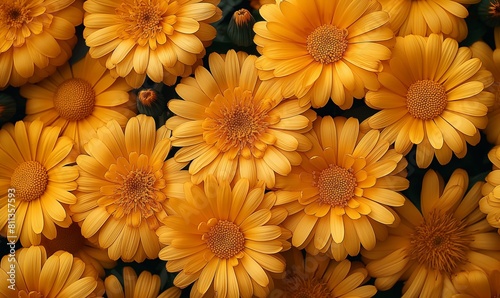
(231, 124)
(424, 17)
(490, 203)
(477, 284)
(162, 39)
(146, 286)
(124, 186)
(37, 274)
(34, 168)
(36, 37)
(428, 248)
(432, 96)
(323, 49)
(224, 240)
(71, 240)
(341, 194)
(79, 99)
(483, 51)
(320, 276)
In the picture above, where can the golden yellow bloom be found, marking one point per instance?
(256, 4)
(490, 203)
(162, 39)
(224, 240)
(432, 96)
(428, 248)
(36, 37)
(323, 49)
(320, 276)
(79, 99)
(124, 187)
(231, 124)
(71, 240)
(340, 197)
(34, 169)
(146, 286)
(40, 275)
(477, 284)
(424, 17)
(483, 51)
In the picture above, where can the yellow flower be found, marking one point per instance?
(79, 99)
(124, 187)
(34, 169)
(38, 275)
(424, 17)
(35, 37)
(320, 276)
(256, 4)
(490, 203)
(231, 124)
(428, 248)
(146, 286)
(323, 49)
(432, 96)
(162, 39)
(225, 240)
(342, 193)
(477, 284)
(71, 240)
(483, 51)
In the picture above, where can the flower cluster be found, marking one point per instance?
(246, 148)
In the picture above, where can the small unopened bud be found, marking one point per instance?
(8, 107)
(488, 12)
(240, 28)
(150, 102)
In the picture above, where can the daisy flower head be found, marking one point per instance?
(161, 39)
(433, 96)
(124, 187)
(323, 49)
(40, 275)
(490, 203)
(224, 239)
(79, 98)
(449, 235)
(36, 37)
(320, 276)
(35, 168)
(231, 124)
(340, 197)
(147, 285)
(70, 239)
(483, 51)
(425, 17)
(477, 284)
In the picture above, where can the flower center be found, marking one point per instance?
(440, 243)
(327, 43)
(142, 19)
(235, 122)
(336, 185)
(14, 16)
(426, 99)
(299, 286)
(74, 99)
(30, 179)
(137, 192)
(225, 239)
